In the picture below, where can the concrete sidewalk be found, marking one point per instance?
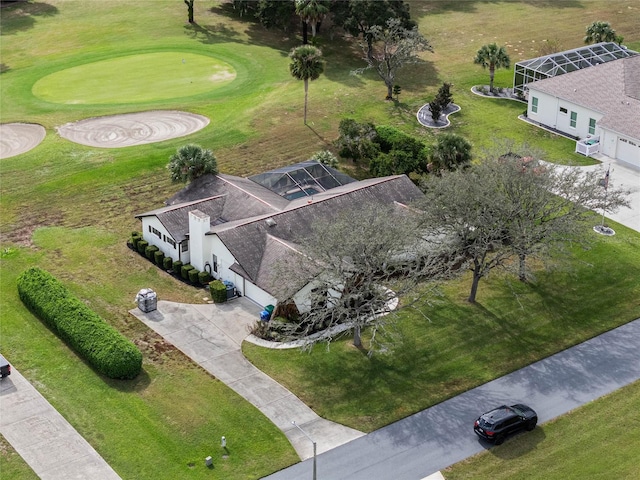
(211, 335)
(43, 438)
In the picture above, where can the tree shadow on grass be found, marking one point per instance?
(423, 9)
(20, 16)
(211, 34)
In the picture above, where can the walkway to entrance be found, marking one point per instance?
(211, 335)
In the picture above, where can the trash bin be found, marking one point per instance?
(231, 289)
(270, 309)
(147, 300)
(265, 316)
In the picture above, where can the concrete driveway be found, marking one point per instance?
(43, 438)
(211, 335)
(433, 439)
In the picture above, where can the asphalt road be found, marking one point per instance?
(442, 435)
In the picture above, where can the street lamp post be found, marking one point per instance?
(312, 441)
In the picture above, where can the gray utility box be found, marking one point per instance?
(147, 300)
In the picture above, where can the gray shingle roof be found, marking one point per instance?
(612, 88)
(248, 242)
(175, 218)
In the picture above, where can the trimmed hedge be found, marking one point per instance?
(158, 258)
(193, 276)
(177, 267)
(167, 263)
(142, 246)
(184, 271)
(218, 291)
(101, 345)
(203, 278)
(150, 252)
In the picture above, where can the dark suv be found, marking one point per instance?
(5, 368)
(502, 421)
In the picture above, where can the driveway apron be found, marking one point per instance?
(211, 335)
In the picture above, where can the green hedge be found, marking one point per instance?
(158, 258)
(184, 271)
(142, 245)
(101, 345)
(150, 251)
(167, 263)
(218, 291)
(203, 278)
(193, 276)
(177, 267)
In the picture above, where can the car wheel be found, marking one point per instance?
(499, 440)
(531, 425)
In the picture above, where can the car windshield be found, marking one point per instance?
(517, 410)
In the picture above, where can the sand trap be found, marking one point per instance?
(133, 128)
(17, 138)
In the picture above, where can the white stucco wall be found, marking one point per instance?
(549, 113)
(153, 239)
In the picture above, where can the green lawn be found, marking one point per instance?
(69, 209)
(597, 441)
(135, 79)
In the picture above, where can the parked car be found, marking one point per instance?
(5, 368)
(500, 422)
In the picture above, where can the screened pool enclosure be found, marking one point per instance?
(303, 179)
(559, 63)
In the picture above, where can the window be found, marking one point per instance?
(574, 120)
(155, 232)
(534, 104)
(563, 110)
(592, 126)
(170, 241)
(215, 264)
(185, 246)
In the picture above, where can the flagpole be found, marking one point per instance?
(606, 191)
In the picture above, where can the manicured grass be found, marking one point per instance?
(444, 345)
(12, 465)
(69, 208)
(597, 441)
(135, 79)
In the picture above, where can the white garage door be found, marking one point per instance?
(629, 151)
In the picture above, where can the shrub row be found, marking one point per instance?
(101, 345)
(151, 252)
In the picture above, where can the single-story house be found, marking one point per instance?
(238, 229)
(599, 106)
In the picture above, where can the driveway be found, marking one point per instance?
(43, 438)
(442, 435)
(211, 335)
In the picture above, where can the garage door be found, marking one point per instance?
(629, 151)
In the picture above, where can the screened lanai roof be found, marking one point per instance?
(302, 179)
(559, 63)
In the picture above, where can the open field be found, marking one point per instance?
(68, 208)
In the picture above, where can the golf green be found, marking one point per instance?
(135, 79)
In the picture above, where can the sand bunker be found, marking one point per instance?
(132, 129)
(17, 138)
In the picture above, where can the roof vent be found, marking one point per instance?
(270, 222)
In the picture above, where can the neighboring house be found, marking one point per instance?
(239, 230)
(599, 106)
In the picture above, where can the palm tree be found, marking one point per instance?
(306, 64)
(600, 32)
(493, 57)
(190, 162)
(311, 12)
(450, 152)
